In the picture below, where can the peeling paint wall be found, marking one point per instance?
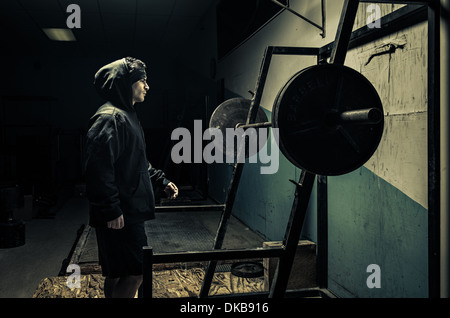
(400, 79)
(378, 214)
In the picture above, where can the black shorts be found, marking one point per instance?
(120, 251)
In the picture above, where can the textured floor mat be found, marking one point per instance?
(166, 284)
(176, 232)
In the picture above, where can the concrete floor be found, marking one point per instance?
(49, 241)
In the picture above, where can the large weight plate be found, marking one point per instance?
(229, 114)
(302, 111)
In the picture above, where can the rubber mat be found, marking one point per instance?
(178, 232)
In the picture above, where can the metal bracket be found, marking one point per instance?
(320, 27)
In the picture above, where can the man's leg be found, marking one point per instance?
(126, 287)
(120, 251)
(108, 288)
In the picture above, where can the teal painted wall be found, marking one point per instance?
(372, 222)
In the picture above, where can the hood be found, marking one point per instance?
(113, 83)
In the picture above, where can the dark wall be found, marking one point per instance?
(46, 102)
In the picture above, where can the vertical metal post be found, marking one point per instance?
(264, 70)
(433, 151)
(344, 31)
(147, 273)
(322, 232)
(338, 55)
(294, 228)
(444, 155)
(220, 234)
(237, 173)
(324, 18)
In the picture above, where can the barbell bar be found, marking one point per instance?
(360, 116)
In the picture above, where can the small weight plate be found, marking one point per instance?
(302, 112)
(229, 114)
(12, 234)
(247, 269)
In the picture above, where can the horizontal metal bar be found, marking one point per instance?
(399, 19)
(298, 14)
(290, 293)
(255, 125)
(404, 17)
(189, 208)
(399, 1)
(214, 255)
(292, 50)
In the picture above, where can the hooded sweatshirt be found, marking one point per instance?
(119, 178)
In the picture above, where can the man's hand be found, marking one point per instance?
(116, 224)
(171, 190)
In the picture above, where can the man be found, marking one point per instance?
(119, 179)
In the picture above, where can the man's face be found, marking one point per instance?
(139, 89)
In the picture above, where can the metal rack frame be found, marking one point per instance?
(336, 51)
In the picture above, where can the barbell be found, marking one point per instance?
(329, 119)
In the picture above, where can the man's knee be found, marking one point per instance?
(134, 279)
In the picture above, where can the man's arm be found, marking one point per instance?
(158, 178)
(103, 147)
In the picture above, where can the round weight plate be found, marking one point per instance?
(302, 113)
(247, 269)
(231, 113)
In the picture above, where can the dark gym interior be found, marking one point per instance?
(368, 217)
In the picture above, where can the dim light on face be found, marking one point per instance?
(139, 89)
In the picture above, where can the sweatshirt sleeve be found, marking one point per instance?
(103, 148)
(158, 177)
